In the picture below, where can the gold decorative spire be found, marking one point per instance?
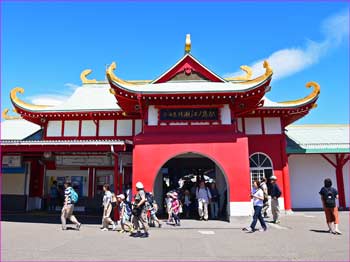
(188, 43)
(267, 74)
(315, 92)
(15, 100)
(83, 78)
(7, 117)
(111, 75)
(248, 70)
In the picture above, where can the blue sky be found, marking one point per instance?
(46, 45)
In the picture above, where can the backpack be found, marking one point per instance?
(74, 196)
(329, 199)
(149, 200)
(128, 208)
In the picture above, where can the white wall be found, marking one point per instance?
(307, 173)
(225, 115)
(272, 125)
(54, 128)
(71, 128)
(253, 126)
(88, 128)
(106, 128)
(124, 127)
(152, 116)
(346, 175)
(138, 126)
(239, 124)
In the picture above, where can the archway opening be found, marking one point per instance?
(182, 174)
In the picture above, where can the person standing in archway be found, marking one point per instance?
(203, 197)
(214, 203)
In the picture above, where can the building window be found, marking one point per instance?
(260, 167)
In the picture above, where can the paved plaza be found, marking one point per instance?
(300, 236)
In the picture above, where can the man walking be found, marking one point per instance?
(203, 196)
(275, 194)
(68, 207)
(139, 212)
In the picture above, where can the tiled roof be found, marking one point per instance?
(17, 129)
(318, 138)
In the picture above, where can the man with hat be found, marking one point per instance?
(275, 194)
(139, 212)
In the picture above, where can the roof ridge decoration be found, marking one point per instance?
(111, 75)
(7, 117)
(83, 78)
(248, 70)
(246, 79)
(15, 100)
(314, 94)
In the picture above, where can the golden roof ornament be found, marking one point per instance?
(83, 78)
(188, 43)
(7, 117)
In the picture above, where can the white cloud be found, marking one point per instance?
(54, 99)
(286, 62)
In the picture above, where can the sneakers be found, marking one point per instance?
(114, 227)
(263, 229)
(144, 235)
(337, 232)
(104, 229)
(248, 229)
(78, 226)
(277, 222)
(138, 234)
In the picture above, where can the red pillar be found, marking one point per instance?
(340, 161)
(286, 178)
(340, 179)
(91, 180)
(116, 184)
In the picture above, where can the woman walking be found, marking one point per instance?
(107, 209)
(175, 207)
(328, 196)
(258, 198)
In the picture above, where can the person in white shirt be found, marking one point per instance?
(107, 209)
(258, 197)
(203, 196)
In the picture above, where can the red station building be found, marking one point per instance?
(189, 121)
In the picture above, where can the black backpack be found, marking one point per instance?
(329, 199)
(149, 199)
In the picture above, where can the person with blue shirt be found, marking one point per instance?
(258, 198)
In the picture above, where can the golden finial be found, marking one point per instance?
(248, 70)
(83, 78)
(7, 117)
(20, 103)
(188, 43)
(315, 92)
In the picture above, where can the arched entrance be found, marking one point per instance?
(183, 172)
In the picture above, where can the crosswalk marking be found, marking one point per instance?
(207, 232)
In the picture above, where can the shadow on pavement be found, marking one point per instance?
(52, 218)
(319, 231)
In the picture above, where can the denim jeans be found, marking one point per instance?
(257, 215)
(214, 210)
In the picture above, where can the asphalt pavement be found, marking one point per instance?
(300, 236)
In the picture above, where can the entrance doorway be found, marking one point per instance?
(183, 173)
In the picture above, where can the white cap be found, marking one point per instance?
(139, 185)
(273, 178)
(121, 196)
